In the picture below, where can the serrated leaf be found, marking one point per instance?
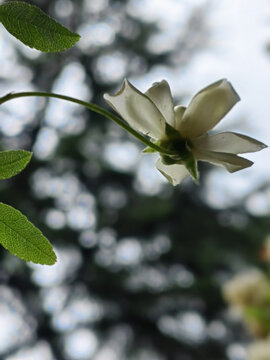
(12, 162)
(34, 28)
(22, 238)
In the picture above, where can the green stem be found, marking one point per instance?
(92, 107)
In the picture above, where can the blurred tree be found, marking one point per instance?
(140, 264)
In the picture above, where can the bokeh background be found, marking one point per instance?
(140, 264)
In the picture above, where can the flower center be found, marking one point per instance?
(181, 149)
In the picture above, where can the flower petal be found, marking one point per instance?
(138, 111)
(178, 115)
(207, 108)
(160, 94)
(228, 142)
(175, 173)
(231, 162)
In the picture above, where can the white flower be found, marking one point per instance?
(246, 289)
(259, 350)
(183, 131)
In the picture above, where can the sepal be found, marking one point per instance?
(191, 165)
(148, 150)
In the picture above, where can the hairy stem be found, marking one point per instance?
(93, 107)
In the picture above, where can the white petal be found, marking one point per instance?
(207, 108)
(161, 96)
(138, 111)
(231, 162)
(174, 173)
(228, 142)
(178, 115)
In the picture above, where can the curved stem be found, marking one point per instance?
(93, 107)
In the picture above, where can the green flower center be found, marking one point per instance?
(181, 149)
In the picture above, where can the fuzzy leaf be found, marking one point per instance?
(22, 238)
(34, 28)
(12, 162)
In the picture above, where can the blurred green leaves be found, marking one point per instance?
(34, 28)
(22, 238)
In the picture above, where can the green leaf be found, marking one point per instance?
(22, 238)
(34, 28)
(260, 315)
(12, 162)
